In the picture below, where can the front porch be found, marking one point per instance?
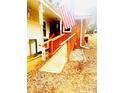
(56, 48)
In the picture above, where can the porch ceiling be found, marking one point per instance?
(50, 13)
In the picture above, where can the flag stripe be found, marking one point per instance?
(68, 19)
(63, 13)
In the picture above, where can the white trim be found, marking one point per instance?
(81, 37)
(67, 31)
(81, 34)
(61, 26)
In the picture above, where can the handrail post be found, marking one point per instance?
(43, 55)
(51, 48)
(68, 47)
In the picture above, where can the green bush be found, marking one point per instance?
(91, 29)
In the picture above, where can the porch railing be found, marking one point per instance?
(70, 44)
(56, 43)
(53, 44)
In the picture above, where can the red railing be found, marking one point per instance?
(56, 43)
(70, 44)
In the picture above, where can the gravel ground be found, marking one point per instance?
(76, 77)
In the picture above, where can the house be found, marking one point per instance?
(43, 23)
(45, 33)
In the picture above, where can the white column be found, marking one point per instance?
(61, 26)
(41, 19)
(41, 16)
(41, 30)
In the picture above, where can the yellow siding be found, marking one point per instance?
(32, 64)
(33, 32)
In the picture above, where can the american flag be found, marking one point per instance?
(67, 17)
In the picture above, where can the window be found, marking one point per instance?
(68, 30)
(44, 29)
(33, 46)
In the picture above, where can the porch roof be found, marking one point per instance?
(50, 11)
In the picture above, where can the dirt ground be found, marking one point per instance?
(76, 77)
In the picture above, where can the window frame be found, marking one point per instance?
(67, 31)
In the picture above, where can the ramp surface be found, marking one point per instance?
(57, 62)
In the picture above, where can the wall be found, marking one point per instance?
(33, 32)
(77, 29)
(33, 26)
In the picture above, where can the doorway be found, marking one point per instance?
(55, 28)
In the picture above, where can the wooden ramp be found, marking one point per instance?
(56, 63)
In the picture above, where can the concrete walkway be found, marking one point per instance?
(57, 62)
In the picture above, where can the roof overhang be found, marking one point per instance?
(50, 12)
